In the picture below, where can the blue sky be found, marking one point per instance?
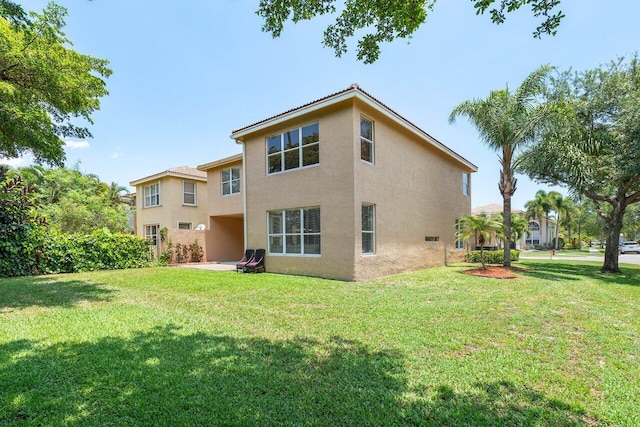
(187, 73)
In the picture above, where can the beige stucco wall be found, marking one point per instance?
(217, 203)
(328, 185)
(225, 239)
(417, 192)
(416, 189)
(171, 210)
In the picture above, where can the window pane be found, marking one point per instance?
(291, 159)
(184, 225)
(312, 245)
(294, 245)
(310, 134)
(189, 187)
(366, 150)
(291, 139)
(235, 173)
(275, 163)
(226, 188)
(292, 221)
(275, 244)
(311, 155)
(275, 223)
(225, 175)
(235, 187)
(273, 144)
(367, 218)
(189, 199)
(366, 128)
(312, 220)
(367, 243)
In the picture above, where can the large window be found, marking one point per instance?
(368, 228)
(294, 149)
(152, 195)
(294, 231)
(366, 140)
(151, 233)
(465, 184)
(230, 181)
(459, 242)
(189, 189)
(533, 236)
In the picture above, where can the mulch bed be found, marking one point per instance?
(495, 272)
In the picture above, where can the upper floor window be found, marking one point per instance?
(465, 184)
(294, 231)
(230, 181)
(152, 195)
(366, 140)
(189, 189)
(293, 149)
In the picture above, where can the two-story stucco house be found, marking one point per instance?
(175, 198)
(344, 187)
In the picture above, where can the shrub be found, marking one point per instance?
(492, 257)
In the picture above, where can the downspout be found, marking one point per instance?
(244, 192)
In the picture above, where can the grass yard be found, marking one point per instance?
(559, 346)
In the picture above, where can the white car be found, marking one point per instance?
(627, 247)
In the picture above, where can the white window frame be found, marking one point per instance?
(147, 199)
(195, 192)
(371, 232)
(282, 151)
(190, 224)
(302, 233)
(365, 140)
(152, 236)
(466, 184)
(230, 181)
(459, 241)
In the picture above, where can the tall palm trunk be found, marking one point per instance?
(507, 187)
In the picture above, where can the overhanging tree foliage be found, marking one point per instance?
(388, 20)
(44, 85)
(591, 143)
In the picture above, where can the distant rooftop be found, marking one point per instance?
(493, 208)
(179, 172)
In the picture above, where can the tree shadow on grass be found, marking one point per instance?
(165, 377)
(580, 270)
(23, 292)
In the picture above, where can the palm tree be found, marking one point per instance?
(478, 226)
(519, 227)
(558, 205)
(506, 122)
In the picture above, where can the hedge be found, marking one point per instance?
(492, 257)
(48, 252)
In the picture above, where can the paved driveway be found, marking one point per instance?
(623, 258)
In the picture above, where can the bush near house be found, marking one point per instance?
(492, 257)
(48, 252)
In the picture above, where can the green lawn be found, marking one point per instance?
(170, 346)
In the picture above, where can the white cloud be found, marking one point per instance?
(115, 155)
(15, 162)
(76, 144)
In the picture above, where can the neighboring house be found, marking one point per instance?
(342, 187)
(176, 199)
(540, 232)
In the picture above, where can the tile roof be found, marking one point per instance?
(493, 208)
(188, 170)
(177, 171)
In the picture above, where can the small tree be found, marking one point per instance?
(478, 226)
